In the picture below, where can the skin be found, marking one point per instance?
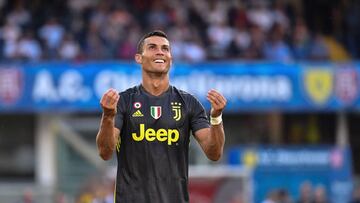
(155, 80)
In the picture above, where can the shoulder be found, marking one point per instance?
(126, 95)
(187, 97)
(183, 93)
(130, 91)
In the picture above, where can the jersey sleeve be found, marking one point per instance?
(198, 119)
(121, 111)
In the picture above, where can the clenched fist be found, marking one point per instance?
(109, 102)
(217, 101)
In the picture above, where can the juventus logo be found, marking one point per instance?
(176, 108)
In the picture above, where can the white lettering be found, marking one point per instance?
(109, 79)
(71, 87)
(44, 88)
(247, 88)
(294, 158)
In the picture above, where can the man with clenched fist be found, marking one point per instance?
(149, 126)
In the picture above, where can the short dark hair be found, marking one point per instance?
(140, 44)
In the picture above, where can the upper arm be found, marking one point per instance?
(198, 118)
(201, 136)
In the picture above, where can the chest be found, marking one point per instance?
(167, 112)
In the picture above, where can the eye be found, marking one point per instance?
(165, 49)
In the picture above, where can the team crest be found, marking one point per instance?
(176, 108)
(11, 81)
(346, 88)
(155, 111)
(250, 158)
(318, 84)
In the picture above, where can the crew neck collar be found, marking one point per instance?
(142, 89)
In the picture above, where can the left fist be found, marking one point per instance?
(217, 101)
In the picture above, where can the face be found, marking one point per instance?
(156, 56)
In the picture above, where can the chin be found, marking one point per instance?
(161, 69)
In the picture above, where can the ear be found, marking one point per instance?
(138, 58)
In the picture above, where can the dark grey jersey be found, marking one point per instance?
(153, 149)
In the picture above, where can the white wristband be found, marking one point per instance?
(216, 120)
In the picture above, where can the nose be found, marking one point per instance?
(159, 52)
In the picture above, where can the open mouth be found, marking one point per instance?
(159, 61)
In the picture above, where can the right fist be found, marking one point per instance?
(109, 102)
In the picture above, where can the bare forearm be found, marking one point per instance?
(105, 138)
(216, 142)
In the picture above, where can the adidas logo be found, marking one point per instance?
(137, 114)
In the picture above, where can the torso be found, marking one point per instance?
(153, 153)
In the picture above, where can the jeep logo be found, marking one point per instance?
(162, 135)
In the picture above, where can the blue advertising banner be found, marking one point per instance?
(249, 87)
(288, 169)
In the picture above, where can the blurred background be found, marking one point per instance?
(289, 69)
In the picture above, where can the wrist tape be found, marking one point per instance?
(216, 120)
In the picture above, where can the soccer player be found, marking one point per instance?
(149, 127)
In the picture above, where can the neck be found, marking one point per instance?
(155, 84)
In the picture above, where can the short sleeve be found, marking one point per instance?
(199, 119)
(121, 111)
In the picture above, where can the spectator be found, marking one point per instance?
(28, 196)
(318, 50)
(29, 48)
(356, 196)
(306, 195)
(19, 16)
(241, 41)
(279, 14)
(158, 15)
(284, 196)
(217, 13)
(114, 30)
(255, 49)
(10, 31)
(94, 46)
(275, 49)
(320, 195)
(177, 34)
(301, 41)
(261, 16)
(127, 48)
(272, 197)
(194, 52)
(10, 34)
(69, 49)
(220, 36)
(52, 33)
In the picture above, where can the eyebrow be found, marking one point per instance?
(153, 44)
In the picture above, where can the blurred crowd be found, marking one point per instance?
(96, 190)
(308, 193)
(280, 30)
(100, 189)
